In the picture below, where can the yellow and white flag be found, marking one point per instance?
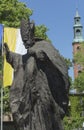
(12, 37)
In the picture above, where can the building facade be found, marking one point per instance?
(78, 39)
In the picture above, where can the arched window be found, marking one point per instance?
(78, 48)
(77, 20)
(78, 32)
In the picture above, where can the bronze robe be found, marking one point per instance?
(39, 92)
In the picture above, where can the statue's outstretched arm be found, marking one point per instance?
(6, 49)
(10, 56)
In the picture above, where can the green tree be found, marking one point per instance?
(12, 11)
(6, 107)
(40, 31)
(68, 63)
(74, 120)
(79, 82)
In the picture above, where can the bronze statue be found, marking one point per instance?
(39, 92)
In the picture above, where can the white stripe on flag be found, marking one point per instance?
(20, 49)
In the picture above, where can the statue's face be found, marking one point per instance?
(28, 43)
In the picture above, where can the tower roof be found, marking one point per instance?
(77, 14)
(78, 37)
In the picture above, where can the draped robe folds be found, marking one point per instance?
(39, 92)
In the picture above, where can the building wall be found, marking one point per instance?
(76, 48)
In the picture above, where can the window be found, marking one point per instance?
(78, 32)
(78, 48)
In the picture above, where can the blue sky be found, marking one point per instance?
(58, 16)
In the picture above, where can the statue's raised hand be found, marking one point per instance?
(6, 48)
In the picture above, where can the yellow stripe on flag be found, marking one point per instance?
(10, 35)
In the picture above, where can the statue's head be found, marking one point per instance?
(27, 32)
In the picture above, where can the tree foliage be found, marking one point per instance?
(6, 107)
(68, 63)
(12, 11)
(74, 123)
(79, 82)
(74, 120)
(40, 31)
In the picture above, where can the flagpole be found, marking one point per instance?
(1, 108)
(2, 60)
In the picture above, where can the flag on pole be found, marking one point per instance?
(1, 38)
(12, 37)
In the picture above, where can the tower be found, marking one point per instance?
(78, 39)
